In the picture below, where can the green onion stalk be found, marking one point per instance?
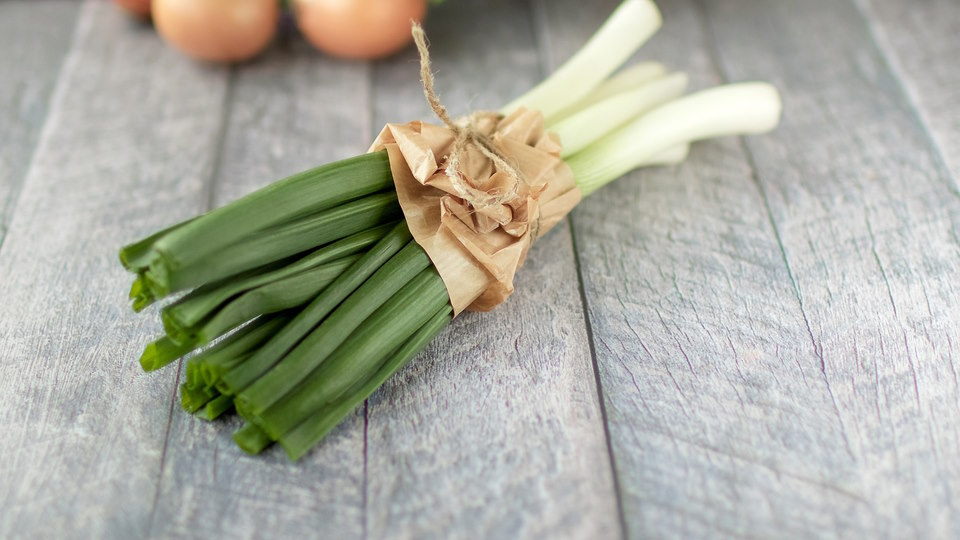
(300, 299)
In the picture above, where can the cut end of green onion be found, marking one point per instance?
(150, 360)
(140, 294)
(141, 303)
(211, 374)
(251, 439)
(137, 288)
(155, 280)
(192, 398)
(161, 353)
(216, 408)
(176, 331)
(224, 387)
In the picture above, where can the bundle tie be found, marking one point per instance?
(467, 133)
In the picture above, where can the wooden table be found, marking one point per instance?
(760, 342)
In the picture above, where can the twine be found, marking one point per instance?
(466, 134)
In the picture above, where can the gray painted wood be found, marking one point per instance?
(289, 110)
(127, 148)
(773, 321)
(720, 423)
(34, 39)
(495, 430)
(920, 42)
(867, 217)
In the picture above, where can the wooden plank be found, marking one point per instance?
(495, 431)
(721, 421)
(868, 220)
(127, 148)
(290, 110)
(34, 39)
(919, 41)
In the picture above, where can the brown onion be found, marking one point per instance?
(358, 28)
(217, 30)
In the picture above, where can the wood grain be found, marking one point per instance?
(290, 110)
(34, 39)
(719, 422)
(495, 430)
(919, 41)
(127, 147)
(867, 216)
(773, 322)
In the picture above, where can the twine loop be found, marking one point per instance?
(467, 133)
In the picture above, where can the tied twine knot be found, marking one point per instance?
(467, 133)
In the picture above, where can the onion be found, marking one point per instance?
(140, 8)
(358, 28)
(217, 30)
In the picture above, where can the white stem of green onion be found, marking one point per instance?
(592, 123)
(628, 79)
(670, 156)
(734, 109)
(630, 25)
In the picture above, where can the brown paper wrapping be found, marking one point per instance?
(477, 249)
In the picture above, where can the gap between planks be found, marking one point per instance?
(541, 31)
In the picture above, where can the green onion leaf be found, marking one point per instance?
(161, 353)
(360, 356)
(231, 351)
(276, 243)
(311, 431)
(279, 295)
(271, 353)
(316, 347)
(200, 303)
(299, 195)
(251, 439)
(194, 397)
(216, 407)
(136, 257)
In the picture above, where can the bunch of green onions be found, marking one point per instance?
(302, 298)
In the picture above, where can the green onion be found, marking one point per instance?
(216, 407)
(302, 194)
(141, 294)
(200, 303)
(629, 27)
(355, 296)
(278, 242)
(231, 351)
(211, 372)
(194, 397)
(286, 293)
(670, 156)
(251, 439)
(136, 257)
(161, 353)
(268, 355)
(194, 377)
(311, 431)
(583, 128)
(361, 354)
(629, 78)
(726, 110)
(314, 349)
